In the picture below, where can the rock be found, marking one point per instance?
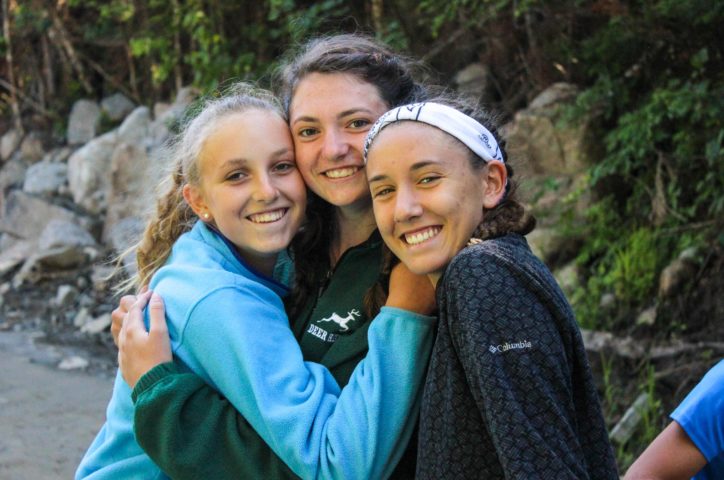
(58, 155)
(606, 342)
(73, 363)
(474, 80)
(9, 143)
(623, 430)
(547, 242)
(82, 317)
(567, 278)
(160, 128)
(62, 233)
(65, 296)
(647, 317)
(12, 174)
(690, 254)
(31, 148)
(135, 127)
(98, 325)
(122, 236)
(551, 147)
(608, 301)
(45, 178)
(674, 276)
(26, 216)
(557, 93)
(116, 106)
(160, 108)
(15, 255)
(84, 120)
(59, 258)
(89, 172)
(101, 276)
(131, 194)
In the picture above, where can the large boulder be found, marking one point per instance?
(85, 117)
(550, 145)
(132, 188)
(135, 127)
(116, 106)
(25, 216)
(63, 233)
(89, 172)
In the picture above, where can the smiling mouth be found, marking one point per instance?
(420, 236)
(341, 172)
(267, 217)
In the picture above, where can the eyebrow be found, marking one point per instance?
(243, 161)
(346, 113)
(415, 166)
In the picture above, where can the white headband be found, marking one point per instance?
(475, 136)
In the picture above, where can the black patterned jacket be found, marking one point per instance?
(509, 393)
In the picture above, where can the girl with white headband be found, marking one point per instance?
(509, 393)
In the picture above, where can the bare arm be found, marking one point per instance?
(671, 456)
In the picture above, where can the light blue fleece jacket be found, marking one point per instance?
(227, 323)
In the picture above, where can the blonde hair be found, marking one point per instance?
(173, 215)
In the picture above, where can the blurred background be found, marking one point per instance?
(613, 116)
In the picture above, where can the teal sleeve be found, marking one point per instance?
(296, 406)
(192, 432)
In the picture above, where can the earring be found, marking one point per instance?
(206, 216)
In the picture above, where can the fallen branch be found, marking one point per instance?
(32, 103)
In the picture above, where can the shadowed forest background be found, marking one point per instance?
(629, 95)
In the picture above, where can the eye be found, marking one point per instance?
(383, 192)
(284, 167)
(235, 176)
(359, 123)
(307, 132)
(428, 179)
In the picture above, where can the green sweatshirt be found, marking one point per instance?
(192, 432)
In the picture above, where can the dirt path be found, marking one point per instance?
(48, 417)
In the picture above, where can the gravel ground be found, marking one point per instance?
(48, 416)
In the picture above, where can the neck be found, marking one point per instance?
(355, 226)
(262, 264)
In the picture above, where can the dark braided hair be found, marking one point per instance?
(393, 76)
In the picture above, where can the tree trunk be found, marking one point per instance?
(14, 105)
(62, 35)
(177, 45)
(377, 17)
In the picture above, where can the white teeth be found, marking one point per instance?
(267, 217)
(341, 172)
(419, 237)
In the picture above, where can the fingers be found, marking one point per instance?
(133, 321)
(119, 313)
(157, 314)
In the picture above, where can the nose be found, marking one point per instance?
(407, 205)
(265, 190)
(335, 145)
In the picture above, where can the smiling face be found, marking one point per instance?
(427, 198)
(330, 115)
(250, 186)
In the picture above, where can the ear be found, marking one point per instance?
(195, 199)
(495, 181)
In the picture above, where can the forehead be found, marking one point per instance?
(246, 134)
(405, 142)
(333, 92)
